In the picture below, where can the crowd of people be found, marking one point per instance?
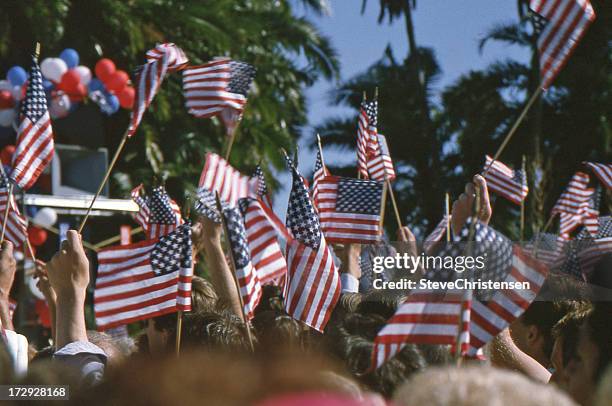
(557, 353)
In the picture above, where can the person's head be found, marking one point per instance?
(532, 332)
(276, 330)
(204, 298)
(107, 343)
(476, 386)
(583, 349)
(592, 356)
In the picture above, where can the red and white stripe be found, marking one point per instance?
(219, 176)
(33, 150)
(341, 227)
(568, 21)
(127, 289)
(250, 289)
(366, 142)
(437, 234)
(262, 231)
(426, 317)
(589, 256)
(380, 164)
(501, 179)
(574, 206)
(312, 286)
(162, 59)
(205, 87)
(602, 171)
(142, 216)
(489, 318)
(16, 225)
(317, 176)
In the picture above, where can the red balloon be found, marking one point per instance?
(6, 99)
(126, 97)
(70, 80)
(37, 235)
(117, 81)
(6, 155)
(104, 68)
(78, 93)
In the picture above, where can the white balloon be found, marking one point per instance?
(45, 217)
(31, 282)
(60, 106)
(53, 68)
(84, 73)
(17, 93)
(6, 85)
(7, 116)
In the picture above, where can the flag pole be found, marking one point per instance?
(383, 203)
(447, 213)
(105, 179)
(233, 269)
(522, 224)
(398, 218)
(515, 126)
(179, 328)
(230, 142)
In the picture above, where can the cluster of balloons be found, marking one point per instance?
(45, 217)
(67, 84)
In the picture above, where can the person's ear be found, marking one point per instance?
(533, 335)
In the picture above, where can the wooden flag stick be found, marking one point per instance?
(518, 122)
(230, 143)
(398, 218)
(320, 150)
(448, 219)
(106, 176)
(522, 223)
(114, 239)
(233, 269)
(179, 328)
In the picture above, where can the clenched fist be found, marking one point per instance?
(464, 206)
(68, 270)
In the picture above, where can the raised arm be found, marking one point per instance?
(8, 266)
(206, 235)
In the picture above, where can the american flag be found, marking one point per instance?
(158, 215)
(16, 225)
(312, 286)
(546, 247)
(602, 171)
(263, 229)
(591, 248)
(559, 26)
(162, 59)
(349, 209)
(220, 88)
(433, 316)
(577, 205)
(380, 165)
(262, 187)
(507, 182)
(144, 280)
(367, 142)
(246, 274)
(437, 234)
(219, 176)
(320, 171)
(34, 147)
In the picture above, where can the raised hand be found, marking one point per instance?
(68, 270)
(8, 266)
(463, 207)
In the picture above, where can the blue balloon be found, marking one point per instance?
(113, 103)
(96, 84)
(47, 85)
(17, 75)
(71, 57)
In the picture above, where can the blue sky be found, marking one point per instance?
(451, 27)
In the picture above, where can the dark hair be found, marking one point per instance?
(558, 296)
(213, 331)
(599, 322)
(204, 298)
(568, 330)
(277, 330)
